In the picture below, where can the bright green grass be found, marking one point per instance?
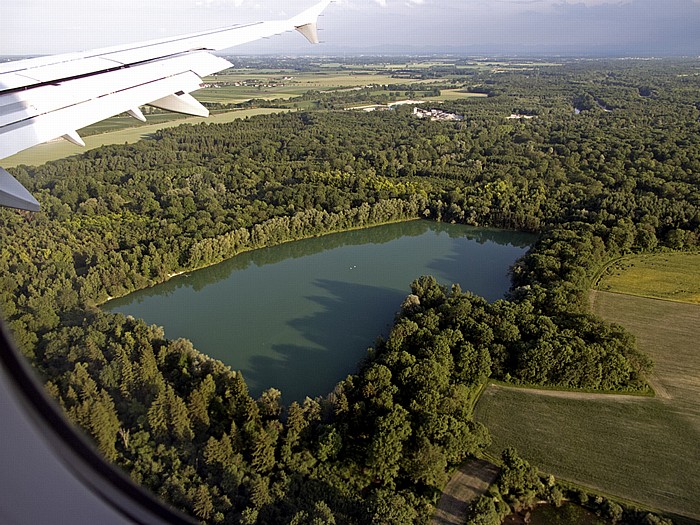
(61, 148)
(641, 449)
(673, 276)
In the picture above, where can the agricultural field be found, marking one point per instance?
(464, 65)
(674, 276)
(638, 448)
(236, 86)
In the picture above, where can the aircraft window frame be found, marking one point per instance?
(105, 481)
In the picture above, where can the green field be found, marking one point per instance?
(252, 84)
(641, 449)
(61, 148)
(672, 276)
(284, 85)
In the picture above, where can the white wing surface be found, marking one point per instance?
(46, 98)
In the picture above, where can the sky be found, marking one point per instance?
(511, 27)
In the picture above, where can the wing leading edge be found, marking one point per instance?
(52, 97)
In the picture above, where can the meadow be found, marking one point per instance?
(638, 448)
(674, 276)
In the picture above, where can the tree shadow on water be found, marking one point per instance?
(481, 269)
(352, 317)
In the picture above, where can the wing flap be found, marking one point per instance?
(26, 105)
(48, 126)
(56, 95)
(60, 70)
(14, 195)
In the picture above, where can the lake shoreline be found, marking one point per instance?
(248, 250)
(300, 316)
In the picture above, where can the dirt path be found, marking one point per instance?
(471, 480)
(658, 387)
(588, 396)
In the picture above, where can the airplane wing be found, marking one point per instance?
(46, 98)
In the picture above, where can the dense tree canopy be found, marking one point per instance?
(610, 164)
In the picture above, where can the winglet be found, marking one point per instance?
(14, 195)
(310, 32)
(305, 22)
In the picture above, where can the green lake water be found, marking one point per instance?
(300, 316)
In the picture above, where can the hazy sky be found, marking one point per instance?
(372, 26)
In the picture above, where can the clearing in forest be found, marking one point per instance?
(674, 276)
(638, 448)
(471, 480)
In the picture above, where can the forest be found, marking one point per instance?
(610, 165)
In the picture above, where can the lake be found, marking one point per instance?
(300, 316)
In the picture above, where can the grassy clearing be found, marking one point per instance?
(61, 148)
(673, 276)
(640, 449)
(471, 480)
